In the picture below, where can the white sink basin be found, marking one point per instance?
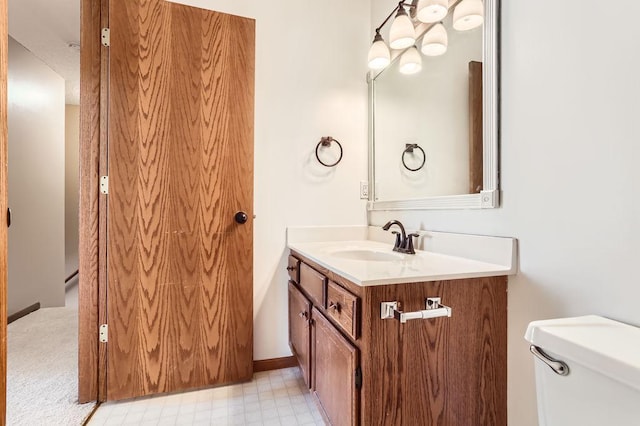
(364, 256)
(367, 255)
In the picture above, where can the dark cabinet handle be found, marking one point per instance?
(8, 218)
(241, 217)
(335, 306)
(291, 268)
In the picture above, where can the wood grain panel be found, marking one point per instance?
(299, 331)
(274, 363)
(314, 284)
(180, 166)
(4, 47)
(103, 202)
(448, 371)
(91, 139)
(475, 127)
(293, 268)
(334, 361)
(344, 308)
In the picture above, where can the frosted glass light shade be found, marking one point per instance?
(432, 10)
(401, 34)
(379, 56)
(468, 15)
(410, 61)
(435, 41)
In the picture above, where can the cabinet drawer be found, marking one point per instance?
(344, 308)
(313, 283)
(293, 268)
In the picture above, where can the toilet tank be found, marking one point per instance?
(602, 386)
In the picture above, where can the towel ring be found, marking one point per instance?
(326, 142)
(409, 148)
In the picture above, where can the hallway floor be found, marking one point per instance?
(277, 397)
(42, 373)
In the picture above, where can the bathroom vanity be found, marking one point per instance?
(365, 369)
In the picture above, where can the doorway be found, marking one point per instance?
(43, 58)
(93, 218)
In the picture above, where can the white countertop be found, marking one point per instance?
(326, 249)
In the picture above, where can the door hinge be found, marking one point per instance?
(104, 184)
(106, 39)
(358, 378)
(104, 333)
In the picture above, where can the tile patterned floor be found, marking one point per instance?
(277, 397)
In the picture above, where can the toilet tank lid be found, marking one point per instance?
(610, 347)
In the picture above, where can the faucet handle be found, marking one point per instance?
(409, 243)
(399, 241)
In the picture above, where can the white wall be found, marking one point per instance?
(71, 188)
(570, 149)
(36, 181)
(310, 82)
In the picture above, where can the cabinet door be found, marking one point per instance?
(335, 361)
(299, 333)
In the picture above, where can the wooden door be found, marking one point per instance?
(4, 140)
(299, 332)
(180, 279)
(334, 363)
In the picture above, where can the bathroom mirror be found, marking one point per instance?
(433, 135)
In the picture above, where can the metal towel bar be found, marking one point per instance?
(433, 309)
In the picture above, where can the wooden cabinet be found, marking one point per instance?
(313, 283)
(343, 307)
(329, 361)
(299, 331)
(364, 370)
(335, 368)
(293, 268)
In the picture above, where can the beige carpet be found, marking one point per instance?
(42, 376)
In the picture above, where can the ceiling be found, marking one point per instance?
(47, 28)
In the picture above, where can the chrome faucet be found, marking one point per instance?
(404, 242)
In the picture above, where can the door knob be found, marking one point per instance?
(241, 217)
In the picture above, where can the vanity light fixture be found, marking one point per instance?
(402, 34)
(432, 10)
(379, 55)
(410, 61)
(424, 16)
(468, 15)
(435, 41)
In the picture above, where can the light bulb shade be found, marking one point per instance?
(410, 61)
(468, 15)
(401, 34)
(379, 56)
(432, 10)
(435, 41)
